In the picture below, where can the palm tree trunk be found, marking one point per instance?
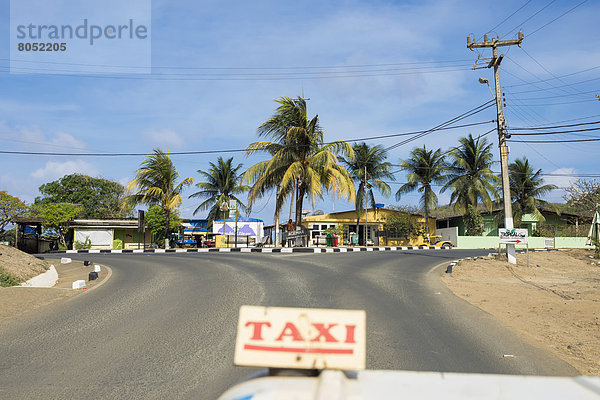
(168, 222)
(299, 200)
(276, 243)
(293, 199)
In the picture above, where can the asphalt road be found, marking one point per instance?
(164, 325)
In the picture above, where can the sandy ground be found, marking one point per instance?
(18, 300)
(21, 265)
(555, 303)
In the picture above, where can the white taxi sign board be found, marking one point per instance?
(304, 338)
(513, 236)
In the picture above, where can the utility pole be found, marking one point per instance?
(495, 61)
(366, 204)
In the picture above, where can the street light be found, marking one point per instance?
(486, 82)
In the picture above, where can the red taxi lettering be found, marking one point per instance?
(324, 332)
(257, 333)
(293, 332)
(350, 334)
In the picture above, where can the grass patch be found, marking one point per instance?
(7, 279)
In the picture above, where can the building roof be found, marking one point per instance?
(240, 219)
(104, 223)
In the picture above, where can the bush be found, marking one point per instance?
(83, 246)
(7, 279)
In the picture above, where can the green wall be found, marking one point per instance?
(491, 242)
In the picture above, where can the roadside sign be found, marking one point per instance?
(303, 338)
(513, 236)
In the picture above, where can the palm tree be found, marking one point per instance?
(222, 184)
(424, 168)
(470, 175)
(526, 186)
(301, 163)
(372, 160)
(156, 184)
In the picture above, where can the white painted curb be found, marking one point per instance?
(47, 279)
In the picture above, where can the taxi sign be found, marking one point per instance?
(513, 236)
(304, 338)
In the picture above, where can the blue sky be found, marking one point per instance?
(136, 113)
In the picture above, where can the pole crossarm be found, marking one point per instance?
(495, 42)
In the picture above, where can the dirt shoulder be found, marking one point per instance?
(18, 300)
(555, 303)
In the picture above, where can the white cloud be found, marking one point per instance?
(164, 139)
(562, 177)
(32, 137)
(54, 170)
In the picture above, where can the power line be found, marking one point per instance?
(521, 24)
(507, 18)
(560, 76)
(555, 133)
(238, 68)
(462, 116)
(558, 141)
(566, 120)
(443, 126)
(555, 126)
(560, 16)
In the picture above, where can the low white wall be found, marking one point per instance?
(450, 234)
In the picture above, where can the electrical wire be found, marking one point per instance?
(557, 141)
(521, 24)
(554, 126)
(560, 16)
(507, 18)
(443, 126)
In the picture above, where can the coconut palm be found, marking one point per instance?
(369, 160)
(301, 163)
(424, 168)
(156, 184)
(222, 183)
(470, 175)
(526, 188)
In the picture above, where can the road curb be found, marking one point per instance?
(313, 250)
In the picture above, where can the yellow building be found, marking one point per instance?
(375, 219)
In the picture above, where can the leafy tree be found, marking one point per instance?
(526, 187)
(100, 198)
(156, 184)
(10, 208)
(302, 163)
(470, 175)
(369, 160)
(56, 217)
(424, 168)
(584, 196)
(222, 184)
(402, 225)
(156, 219)
(473, 222)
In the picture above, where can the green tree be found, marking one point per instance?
(424, 168)
(473, 222)
(470, 175)
(10, 208)
(156, 184)
(222, 183)
(156, 219)
(526, 188)
(369, 160)
(100, 198)
(57, 216)
(302, 163)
